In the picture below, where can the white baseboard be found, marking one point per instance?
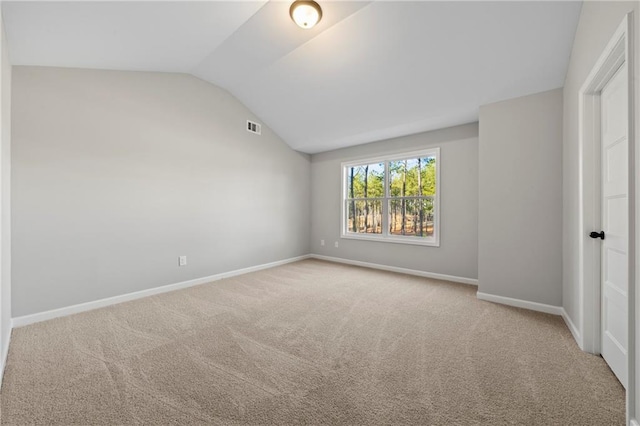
(463, 280)
(83, 307)
(634, 422)
(572, 328)
(5, 354)
(518, 303)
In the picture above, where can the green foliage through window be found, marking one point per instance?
(405, 207)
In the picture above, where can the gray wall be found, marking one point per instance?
(520, 209)
(457, 254)
(5, 198)
(598, 22)
(116, 174)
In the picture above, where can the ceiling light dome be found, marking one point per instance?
(305, 13)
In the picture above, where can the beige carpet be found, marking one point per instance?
(308, 343)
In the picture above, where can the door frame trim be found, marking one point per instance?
(617, 53)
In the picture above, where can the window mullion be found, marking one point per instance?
(385, 202)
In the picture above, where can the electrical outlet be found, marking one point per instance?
(182, 260)
(336, 244)
(321, 242)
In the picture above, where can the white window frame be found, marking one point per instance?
(385, 236)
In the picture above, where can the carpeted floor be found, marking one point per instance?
(308, 343)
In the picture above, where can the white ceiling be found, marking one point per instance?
(368, 71)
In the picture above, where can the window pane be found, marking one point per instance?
(412, 177)
(365, 181)
(413, 217)
(367, 214)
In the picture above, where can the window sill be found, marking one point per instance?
(416, 241)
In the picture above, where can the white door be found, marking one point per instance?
(615, 223)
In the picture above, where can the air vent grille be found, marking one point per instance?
(254, 127)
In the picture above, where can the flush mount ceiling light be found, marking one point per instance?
(305, 13)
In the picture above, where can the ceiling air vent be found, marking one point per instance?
(253, 127)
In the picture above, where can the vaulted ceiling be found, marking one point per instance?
(368, 71)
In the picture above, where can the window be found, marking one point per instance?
(394, 198)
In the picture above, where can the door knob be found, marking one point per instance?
(595, 234)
